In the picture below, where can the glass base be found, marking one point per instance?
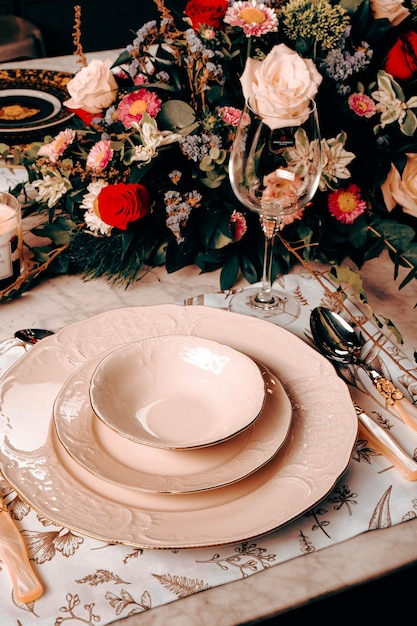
(283, 310)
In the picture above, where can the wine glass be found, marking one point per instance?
(274, 170)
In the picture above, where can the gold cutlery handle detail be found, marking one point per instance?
(396, 400)
(388, 390)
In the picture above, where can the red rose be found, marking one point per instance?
(121, 204)
(401, 60)
(206, 12)
(85, 116)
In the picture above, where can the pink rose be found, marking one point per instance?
(401, 189)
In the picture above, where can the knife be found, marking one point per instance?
(26, 585)
(385, 442)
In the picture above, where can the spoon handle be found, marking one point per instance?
(26, 586)
(396, 400)
(383, 440)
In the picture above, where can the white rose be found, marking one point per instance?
(402, 190)
(392, 10)
(282, 68)
(93, 88)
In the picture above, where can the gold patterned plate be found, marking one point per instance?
(31, 103)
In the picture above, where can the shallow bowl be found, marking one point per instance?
(177, 391)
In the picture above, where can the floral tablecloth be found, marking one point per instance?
(88, 581)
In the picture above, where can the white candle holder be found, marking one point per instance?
(11, 241)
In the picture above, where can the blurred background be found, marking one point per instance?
(105, 24)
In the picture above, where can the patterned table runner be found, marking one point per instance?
(88, 581)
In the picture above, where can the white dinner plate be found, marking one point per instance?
(313, 458)
(118, 460)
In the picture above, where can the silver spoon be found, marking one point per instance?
(32, 335)
(24, 338)
(338, 341)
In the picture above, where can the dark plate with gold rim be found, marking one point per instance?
(32, 104)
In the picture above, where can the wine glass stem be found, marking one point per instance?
(270, 227)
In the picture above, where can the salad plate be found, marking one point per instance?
(118, 460)
(311, 461)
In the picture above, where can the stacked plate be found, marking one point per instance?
(174, 427)
(172, 414)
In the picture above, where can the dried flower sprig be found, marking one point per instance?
(76, 36)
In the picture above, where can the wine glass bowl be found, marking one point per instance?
(274, 170)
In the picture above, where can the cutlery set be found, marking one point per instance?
(336, 339)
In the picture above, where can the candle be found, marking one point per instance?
(10, 239)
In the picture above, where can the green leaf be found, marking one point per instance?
(124, 57)
(390, 86)
(358, 233)
(348, 278)
(41, 253)
(412, 274)
(400, 236)
(59, 232)
(351, 6)
(409, 124)
(229, 273)
(127, 241)
(206, 164)
(175, 115)
(248, 269)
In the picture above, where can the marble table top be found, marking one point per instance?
(66, 299)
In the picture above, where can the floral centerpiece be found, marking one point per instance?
(142, 178)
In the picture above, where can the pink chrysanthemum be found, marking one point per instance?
(132, 107)
(100, 155)
(362, 105)
(346, 204)
(57, 147)
(237, 225)
(255, 19)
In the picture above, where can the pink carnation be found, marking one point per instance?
(230, 115)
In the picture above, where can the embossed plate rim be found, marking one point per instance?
(314, 457)
(94, 445)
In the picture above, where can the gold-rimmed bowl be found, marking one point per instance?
(177, 391)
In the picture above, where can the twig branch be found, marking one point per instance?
(76, 36)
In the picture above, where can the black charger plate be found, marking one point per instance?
(32, 104)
